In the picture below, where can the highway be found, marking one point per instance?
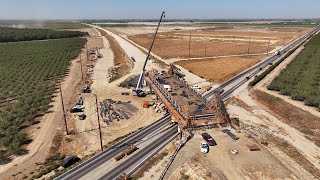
(235, 82)
(169, 135)
(97, 160)
(137, 159)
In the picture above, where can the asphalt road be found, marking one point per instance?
(118, 170)
(256, 68)
(87, 166)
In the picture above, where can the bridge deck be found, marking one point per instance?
(188, 107)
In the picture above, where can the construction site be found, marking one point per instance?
(172, 101)
(186, 105)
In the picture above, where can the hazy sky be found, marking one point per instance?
(131, 9)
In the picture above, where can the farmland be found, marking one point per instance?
(218, 70)
(209, 42)
(46, 24)
(14, 34)
(30, 72)
(301, 79)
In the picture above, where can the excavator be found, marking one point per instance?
(138, 90)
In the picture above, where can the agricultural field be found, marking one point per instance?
(15, 34)
(209, 42)
(42, 24)
(301, 78)
(218, 70)
(30, 72)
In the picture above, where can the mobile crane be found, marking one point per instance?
(138, 90)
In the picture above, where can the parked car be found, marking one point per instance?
(204, 148)
(209, 139)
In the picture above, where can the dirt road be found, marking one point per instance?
(261, 117)
(262, 86)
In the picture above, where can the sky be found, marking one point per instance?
(151, 9)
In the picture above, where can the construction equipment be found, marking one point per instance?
(138, 89)
(82, 117)
(146, 104)
(79, 101)
(77, 108)
(86, 89)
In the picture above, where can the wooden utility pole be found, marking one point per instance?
(81, 67)
(190, 44)
(63, 110)
(87, 54)
(249, 44)
(100, 135)
(268, 48)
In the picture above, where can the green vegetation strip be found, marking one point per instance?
(301, 79)
(16, 34)
(29, 73)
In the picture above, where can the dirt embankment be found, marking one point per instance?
(122, 62)
(305, 122)
(296, 156)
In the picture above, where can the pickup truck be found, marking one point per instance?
(209, 139)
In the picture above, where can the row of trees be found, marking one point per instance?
(301, 79)
(29, 72)
(16, 34)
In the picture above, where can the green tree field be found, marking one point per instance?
(15, 34)
(29, 73)
(301, 79)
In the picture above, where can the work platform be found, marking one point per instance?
(185, 104)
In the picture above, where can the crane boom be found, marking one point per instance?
(139, 84)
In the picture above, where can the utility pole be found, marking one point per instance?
(249, 44)
(87, 54)
(268, 48)
(100, 135)
(190, 44)
(81, 67)
(63, 110)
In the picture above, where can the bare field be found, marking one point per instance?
(218, 70)
(305, 122)
(219, 163)
(217, 42)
